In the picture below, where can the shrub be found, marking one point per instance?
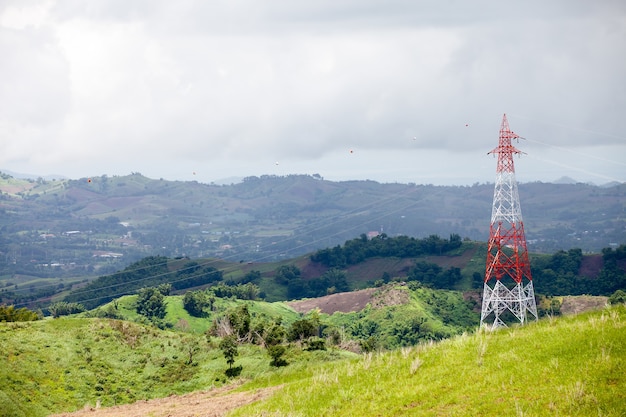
(63, 308)
(10, 313)
(316, 344)
(618, 297)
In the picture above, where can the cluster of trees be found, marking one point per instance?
(559, 274)
(358, 250)
(11, 314)
(63, 308)
(148, 272)
(22, 295)
(399, 326)
(434, 276)
(332, 281)
(237, 326)
(247, 291)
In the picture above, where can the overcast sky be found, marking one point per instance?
(392, 91)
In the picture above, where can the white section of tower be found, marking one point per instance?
(519, 300)
(506, 207)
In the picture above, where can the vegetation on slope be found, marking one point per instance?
(567, 366)
(67, 363)
(359, 263)
(64, 364)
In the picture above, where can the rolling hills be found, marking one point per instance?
(268, 217)
(62, 364)
(558, 366)
(59, 234)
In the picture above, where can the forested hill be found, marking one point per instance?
(434, 262)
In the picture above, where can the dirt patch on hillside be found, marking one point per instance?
(347, 302)
(591, 266)
(457, 261)
(213, 403)
(344, 302)
(580, 303)
(309, 269)
(390, 296)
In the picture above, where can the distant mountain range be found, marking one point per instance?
(236, 179)
(123, 218)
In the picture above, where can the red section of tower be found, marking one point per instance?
(505, 149)
(507, 256)
(507, 228)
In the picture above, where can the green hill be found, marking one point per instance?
(68, 363)
(571, 366)
(63, 364)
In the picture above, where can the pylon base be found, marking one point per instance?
(518, 300)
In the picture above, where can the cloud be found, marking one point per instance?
(158, 86)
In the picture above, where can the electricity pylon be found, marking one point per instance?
(508, 285)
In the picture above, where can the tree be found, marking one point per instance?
(151, 303)
(276, 352)
(251, 276)
(302, 330)
(195, 302)
(192, 347)
(164, 289)
(228, 345)
(239, 318)
(286, 273)
(275, 334)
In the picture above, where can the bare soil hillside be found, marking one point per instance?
(580, 303)
(213, 403)
(344, 302)
(347, 302)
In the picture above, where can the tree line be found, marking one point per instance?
(560, 273)
(148, 272)
(360, 249)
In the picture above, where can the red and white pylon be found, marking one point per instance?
(508, 284)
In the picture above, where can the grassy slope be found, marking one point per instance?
(568, 366)
(63, 364)
(180, 319)
(67, 363)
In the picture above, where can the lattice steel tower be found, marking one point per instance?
(508, 284)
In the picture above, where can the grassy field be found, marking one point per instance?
(571, 366)
(178, 318)
(66, 364)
